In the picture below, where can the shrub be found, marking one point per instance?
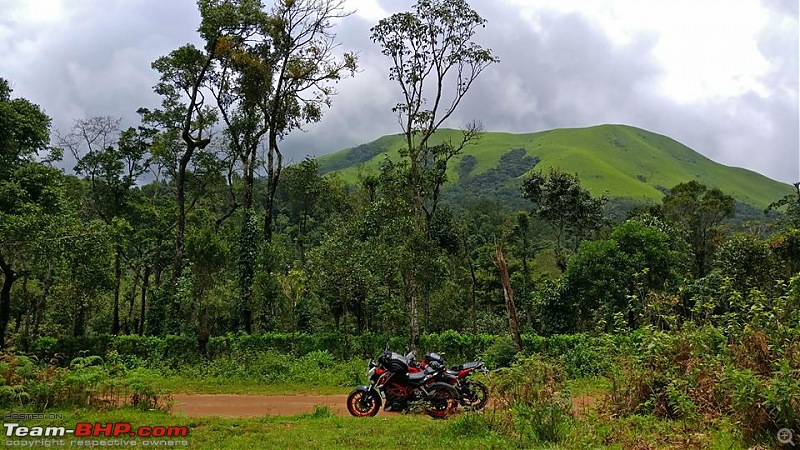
(696, 374)
(534, 389)
(501, 353)
(89, 381)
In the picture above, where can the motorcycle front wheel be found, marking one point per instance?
(363, 403)
(443, 400)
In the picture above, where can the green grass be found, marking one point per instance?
(322, 430)
(619, 160)
(318, 430)
(592, 428)
(591, 386)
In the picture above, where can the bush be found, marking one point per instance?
(501, 353)
(535, 390)
(583, 355)
(89, 382)
(696, 374)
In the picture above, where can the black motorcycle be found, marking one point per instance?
(472, 393)
(402, 387)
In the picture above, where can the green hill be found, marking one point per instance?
(628, 164)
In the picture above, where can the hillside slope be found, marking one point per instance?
(621, 161)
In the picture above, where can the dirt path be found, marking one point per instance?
(230, 406)
(225, 405)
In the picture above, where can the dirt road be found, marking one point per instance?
(225, 405)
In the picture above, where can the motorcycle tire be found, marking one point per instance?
(363, 403)
(442, 400)
(474, 394)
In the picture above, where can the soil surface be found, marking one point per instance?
(231, 406)
(225, 405)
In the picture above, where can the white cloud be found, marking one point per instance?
(707, 48)
(718, 75)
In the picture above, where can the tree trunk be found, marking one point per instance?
(274, 163)
(25, 315)
(509, 295)
(413, 311)
(117, 282)
(301, 233)
(130, 322)
(9, 276)
(246, 266)
(42, 303)
(158, 266)
(79, 321)
(180, 229)
(473, 284)
(145, 285)
(247, 238)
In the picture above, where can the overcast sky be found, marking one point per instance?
(719, 76)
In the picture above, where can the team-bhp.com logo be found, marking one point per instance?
(87, 429)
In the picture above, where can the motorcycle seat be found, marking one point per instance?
(467, 366)
(416, 377)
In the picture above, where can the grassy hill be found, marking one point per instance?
(626, 163)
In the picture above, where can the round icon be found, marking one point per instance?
(785, 436)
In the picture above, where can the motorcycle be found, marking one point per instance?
(402, 389)
(472, 393)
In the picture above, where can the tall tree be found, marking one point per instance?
(29, 191)
(435, 62)
(273, 73)
(112, 161)
(700, 211)
(184, 114)
(559, 199)
(508, 293)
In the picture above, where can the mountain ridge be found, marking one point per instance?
(618, 160)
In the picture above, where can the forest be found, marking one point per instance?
(190, 227)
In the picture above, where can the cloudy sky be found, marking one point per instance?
(720, 76)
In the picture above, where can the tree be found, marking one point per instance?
(185, 116)
(112, 161)
(433, 58)
(570, 210)
(307, 198)
(700, 211)
(272, 73)
(747, 262)
(613, 279)
(29, 191)
(786, 242)
(24, 130)
(508, 294)
(791, 217)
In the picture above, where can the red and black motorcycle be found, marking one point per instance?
(472, 393)
(392, 380)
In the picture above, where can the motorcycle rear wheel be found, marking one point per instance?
(442, 399)
(474, 394)
(363, 403)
